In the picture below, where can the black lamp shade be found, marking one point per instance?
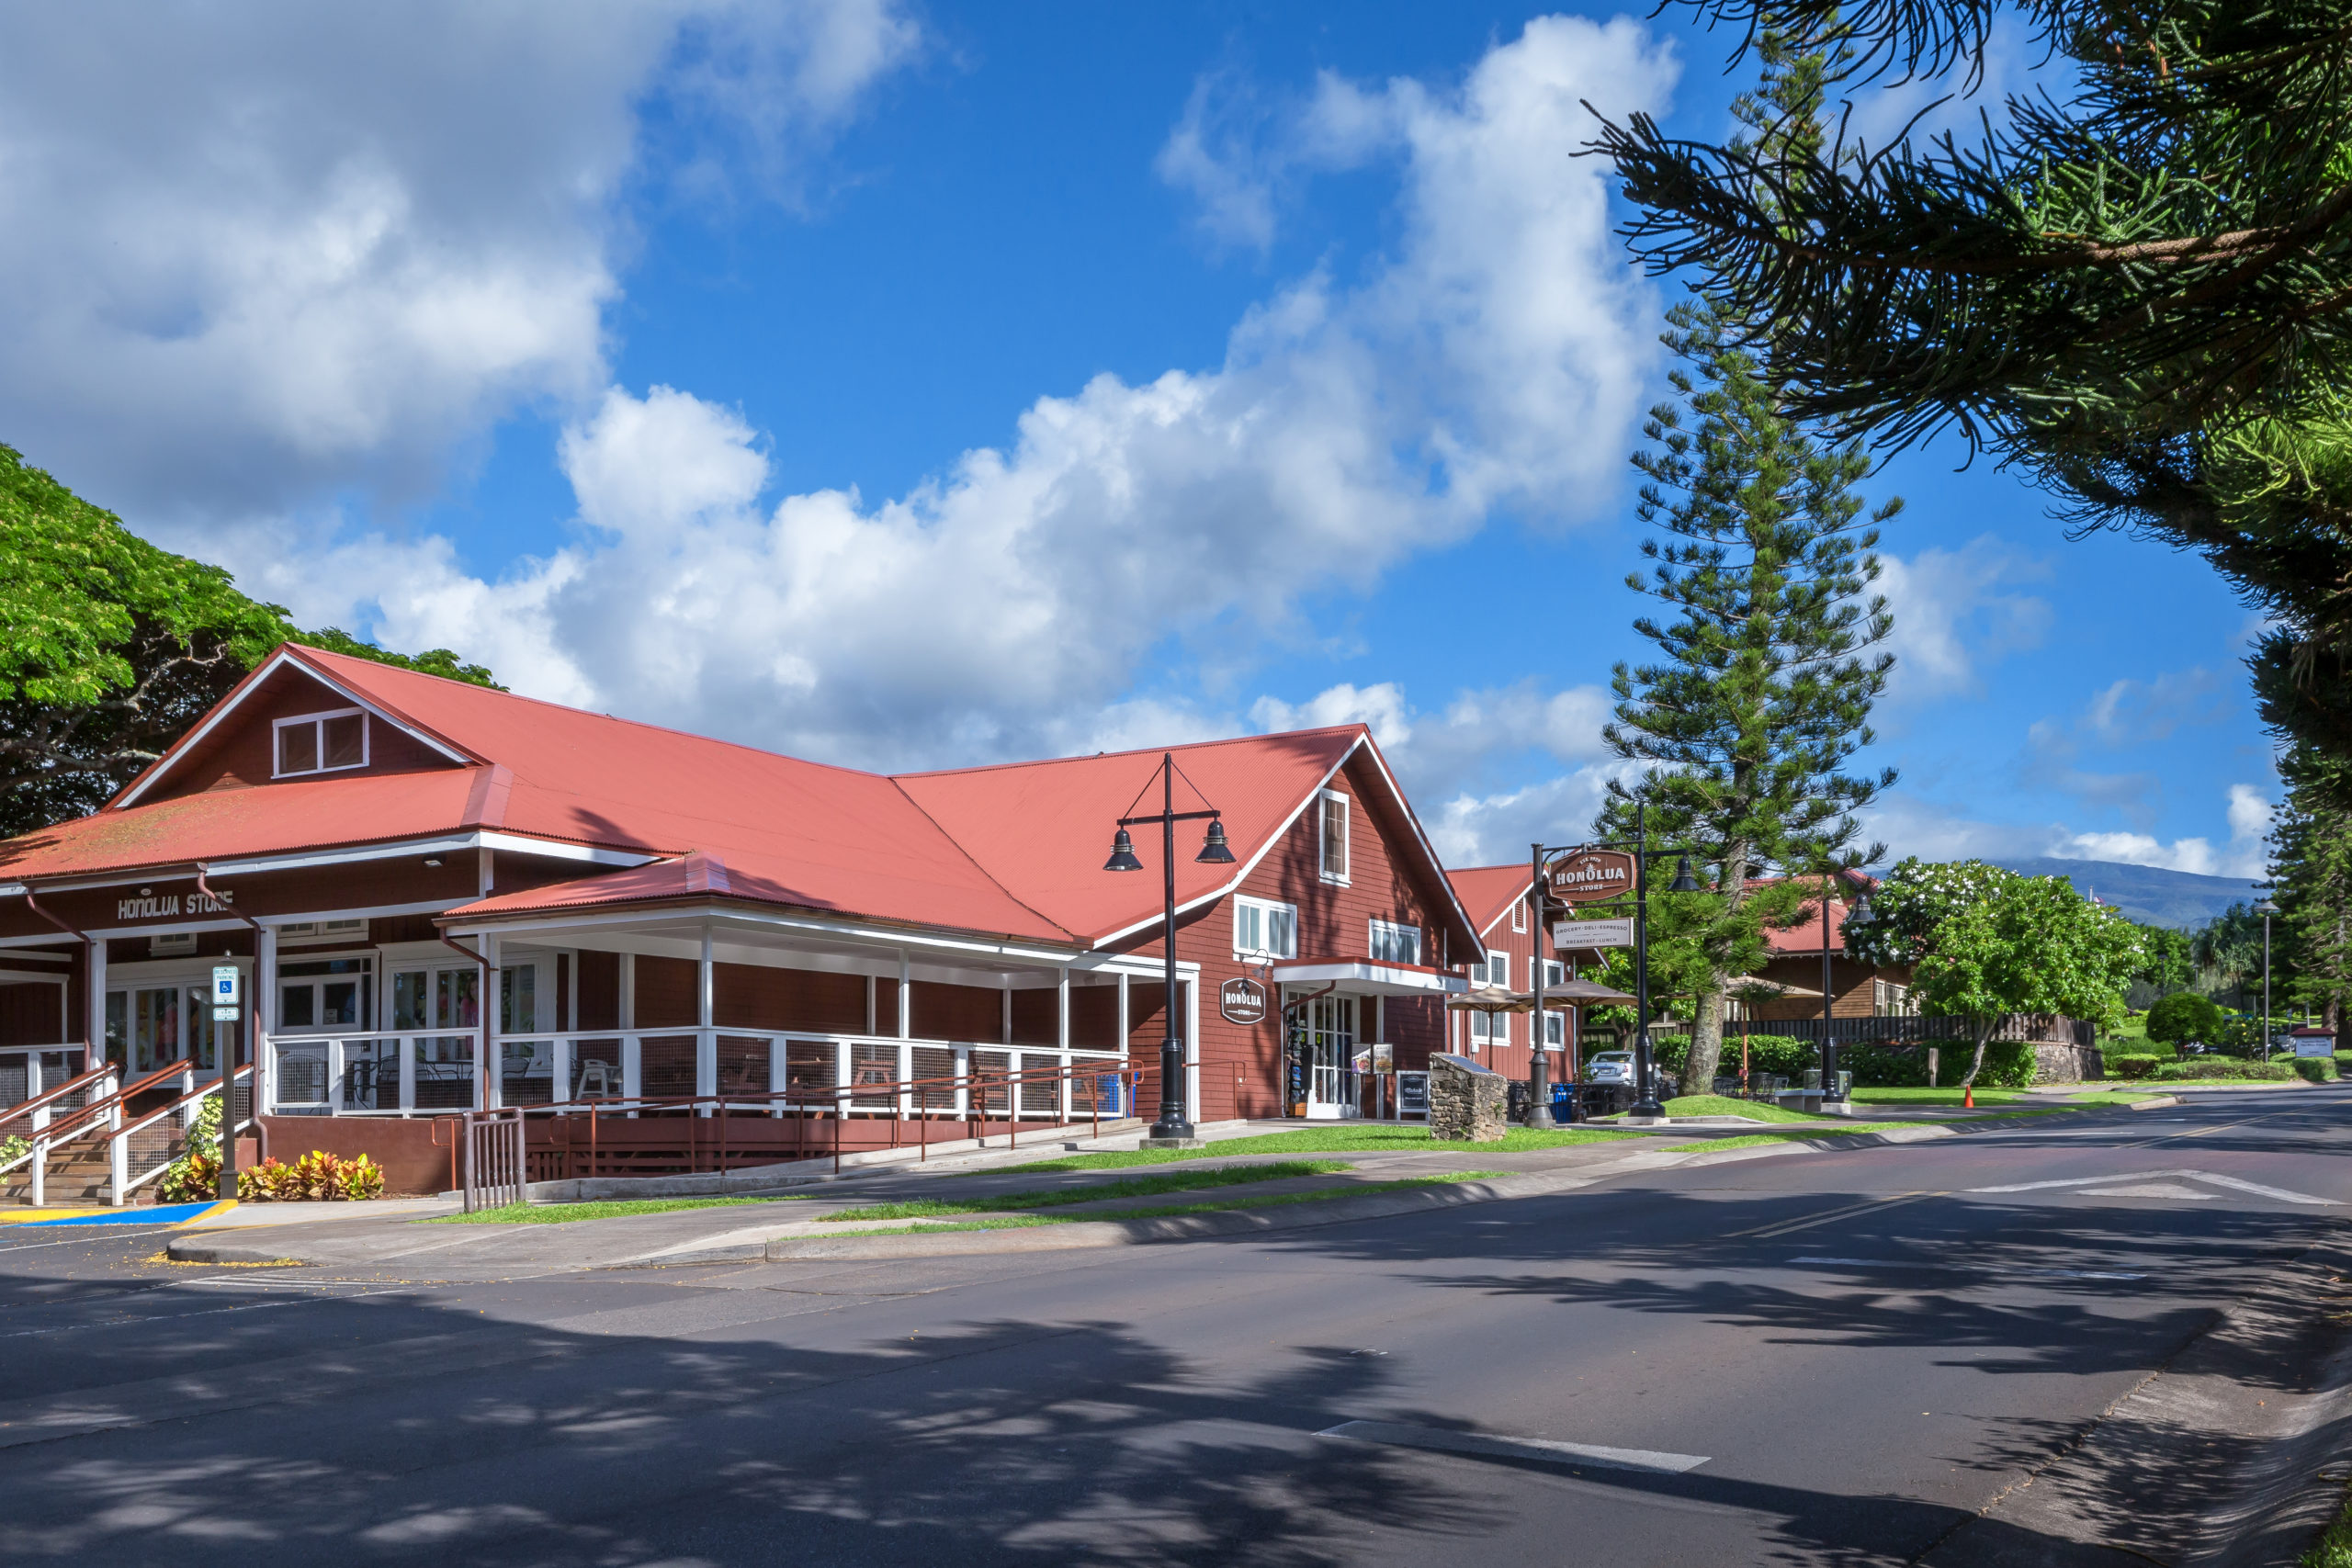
(1215, 851)
(1683, 881)
(1861, 914)
(1122, 855)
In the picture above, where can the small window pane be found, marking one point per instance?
(1335, 838)
(1281, 937)
(297, 1006)
(518, 1009)
(409, 992)
(342, 999)
(346, 739)
(298, 749)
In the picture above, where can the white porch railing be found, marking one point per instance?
(440, 1072)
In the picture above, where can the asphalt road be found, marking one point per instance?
(1821, 1358)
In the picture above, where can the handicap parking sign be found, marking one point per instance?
(224, 985)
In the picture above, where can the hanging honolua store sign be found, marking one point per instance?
(1587, 876)
(1242, 1001)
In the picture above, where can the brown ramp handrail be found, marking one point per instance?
(839, 1104)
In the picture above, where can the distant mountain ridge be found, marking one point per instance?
(2145, 893)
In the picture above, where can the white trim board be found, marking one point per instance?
(245, 689)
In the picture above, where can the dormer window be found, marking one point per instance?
(321, 742)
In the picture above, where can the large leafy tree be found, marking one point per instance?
(1984, 942)
(110, 647)
(2142, 296)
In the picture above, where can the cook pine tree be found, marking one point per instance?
(1768, 635)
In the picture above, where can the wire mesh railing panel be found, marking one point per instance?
(808, 1066)
(445, 1072)
(873, 1074)
(743, 1064)
(665, 1068)
(596, 1069)
(526, 1072)
(990, 1089)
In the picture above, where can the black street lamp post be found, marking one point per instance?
(2265, 909)
(1539, 1114)
(1172, 1122)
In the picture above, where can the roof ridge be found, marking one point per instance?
(1132, 751)
(591, 713)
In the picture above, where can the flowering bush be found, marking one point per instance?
(317, 1177)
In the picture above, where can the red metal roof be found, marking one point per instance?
(1014, 851)
(1490, 891)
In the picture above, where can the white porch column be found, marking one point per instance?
(95, 1036)
(486, 1052)
(1061, 1035)
(705, 1042)
(262, 1008)
(872, 1004)
(632, 1052)
(1125, 1026)
(559, 1069)
(1008, 1012)
(906, 997)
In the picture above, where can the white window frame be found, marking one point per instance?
(1263, 906)
(1393, 929)
(1555, 972)
(1322, 838)
(1556, 1029)
(318, 723)
(1482, 1030)
(1498, 962)
(342, 933)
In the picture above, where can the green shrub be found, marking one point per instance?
(2185, 1016)
(195, 1175)
(2315, 1069)
(2132, 1067)
(13, 1147)
(2225, 1067)
(317, 1177)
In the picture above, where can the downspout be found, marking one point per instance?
(228, 1077)
(93, 1028)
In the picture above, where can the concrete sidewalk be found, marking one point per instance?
(794, 1229)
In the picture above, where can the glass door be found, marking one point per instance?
(440, 998)
(1323, 1032)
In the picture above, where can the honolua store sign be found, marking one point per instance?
(1589, 876)
(172, 906)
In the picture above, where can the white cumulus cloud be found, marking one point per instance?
(259, 253)
(1498, 356)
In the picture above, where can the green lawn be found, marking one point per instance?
(1337, 1138)
(2334, 1548)
(564, 1214)
(1162, 1211)
(1724, 1105)
(1135, 1187)
(1935, 1096)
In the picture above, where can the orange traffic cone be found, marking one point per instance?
(1968, 1097)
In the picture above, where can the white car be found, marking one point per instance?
(1609, 1067)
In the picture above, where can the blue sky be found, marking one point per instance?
(916, 384)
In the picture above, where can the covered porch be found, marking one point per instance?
(613, 1031)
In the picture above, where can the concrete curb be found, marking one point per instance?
(1082, 1234)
